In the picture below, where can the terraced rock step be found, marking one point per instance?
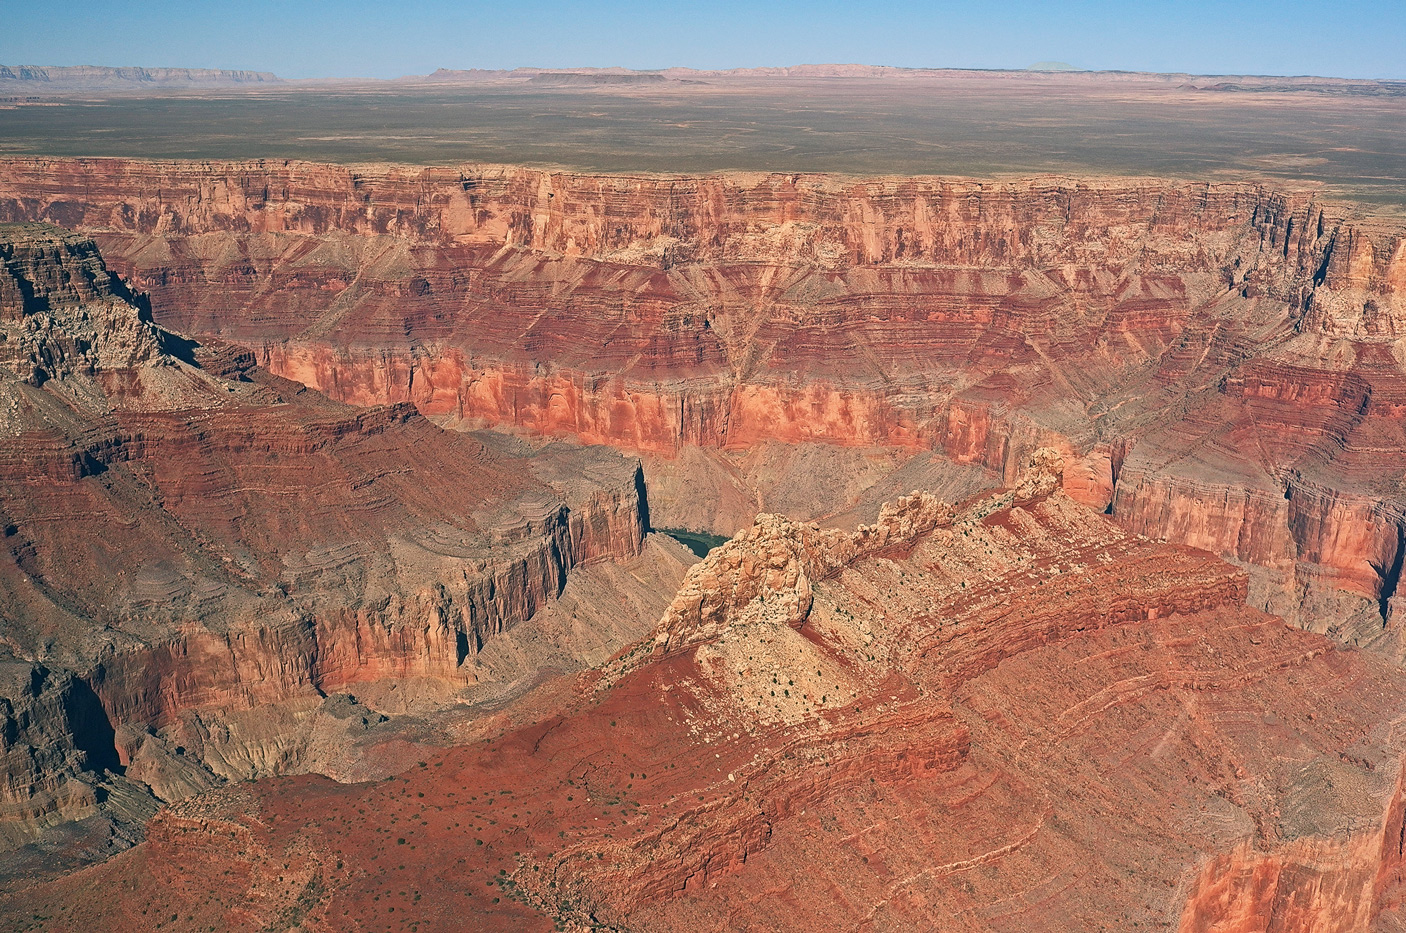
(188, 540)
(1220, 363)
(1009, 715)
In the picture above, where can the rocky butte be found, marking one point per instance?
(376, 636)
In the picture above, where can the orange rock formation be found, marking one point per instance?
(1219, 363)
(182, 531)
(1006, 713)
(1009, 716)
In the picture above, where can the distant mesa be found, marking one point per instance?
(101, 77)
(51, 80)
(578, 79)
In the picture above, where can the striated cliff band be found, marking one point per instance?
(273, 662)
(1222, 364)
(198, 559)
(1005, 715)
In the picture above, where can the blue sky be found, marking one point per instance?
(387, 39)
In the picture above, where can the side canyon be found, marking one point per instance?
(198, 554)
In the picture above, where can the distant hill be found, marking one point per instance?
(97, 77)
(1047, 72)
(574, 79)
(30, 80)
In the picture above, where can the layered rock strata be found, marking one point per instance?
(185, 535)
(1221, 363)
(1006, 715)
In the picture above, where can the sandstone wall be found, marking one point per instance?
(427, 634)
(1317, 884)
(1220, 363)
(180, 532)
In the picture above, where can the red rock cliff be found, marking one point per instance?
(1202, 353)
(181, 531)
(1010, 715)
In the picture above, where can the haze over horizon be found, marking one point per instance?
(322, 39)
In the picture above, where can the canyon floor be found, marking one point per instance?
(1039, 537)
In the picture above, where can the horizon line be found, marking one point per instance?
(1068, 69)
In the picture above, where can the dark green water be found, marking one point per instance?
(698, 542)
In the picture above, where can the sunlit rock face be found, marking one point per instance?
(1008, 714)
(185, 535)
(1220, 364)
(1005, 711)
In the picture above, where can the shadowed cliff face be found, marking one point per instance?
(186, 535)
(1220, 364)
(1005, 715)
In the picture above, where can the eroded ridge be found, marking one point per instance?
(194, 553)
(1007, 715)
(765, 574)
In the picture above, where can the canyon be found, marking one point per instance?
(1221, 363)
(956, 715)
(1066, 519)
(196, 549)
